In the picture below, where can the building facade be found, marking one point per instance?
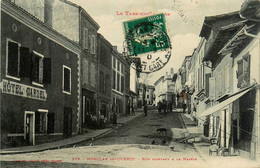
(119, 75)
(39, 80)
(104, 76)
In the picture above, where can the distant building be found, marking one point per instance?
(149, 95)
(165, 88)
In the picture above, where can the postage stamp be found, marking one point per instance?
(145, 37)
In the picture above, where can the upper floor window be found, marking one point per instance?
(118, 76)
(66, 79)
(13, 58)
(85, 38)
(243, 71)
(20, 63)
(92, 44)
(37, 67)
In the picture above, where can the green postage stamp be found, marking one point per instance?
(146, 34)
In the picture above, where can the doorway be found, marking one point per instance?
(29, 127)
(67, 122)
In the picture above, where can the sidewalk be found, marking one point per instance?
(69, 141)
(202, 148)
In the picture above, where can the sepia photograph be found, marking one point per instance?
(130, 84)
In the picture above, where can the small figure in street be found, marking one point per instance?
(159, 106)
(133, 111)
(164, 106)
(184, 106)
(170, 106)
(145, 108)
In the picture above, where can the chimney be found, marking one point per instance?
(48, 12)
(172, 71)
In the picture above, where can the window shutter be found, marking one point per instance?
(246, 67)
(212, 88)
(12, 59)
(32, 67)
(47, 70)
(24, 62)
(239, 73)
(207, 84)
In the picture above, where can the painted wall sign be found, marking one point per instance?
(18, 89)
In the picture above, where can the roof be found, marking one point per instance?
(208, 20)
(250, 9)
(236, 43)
(104, 40)
(156, 82)
(223, 35)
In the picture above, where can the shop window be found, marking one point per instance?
(66, 79)
(243, 71)
(40, 122)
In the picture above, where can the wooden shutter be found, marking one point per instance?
(207, 84)
(24, 62)
(32, 67)
(212, 88)
(47, 70)
(246, 68)
(239, 73)
(12, 59)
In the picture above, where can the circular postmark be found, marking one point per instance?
(147, 45)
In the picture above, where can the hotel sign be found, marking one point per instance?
(18, 89)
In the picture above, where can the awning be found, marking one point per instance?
(224, 103)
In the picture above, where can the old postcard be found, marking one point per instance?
(115, 83)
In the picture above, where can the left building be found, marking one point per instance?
(39, 80)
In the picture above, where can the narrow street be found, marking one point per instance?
(137, 144)
(142, 130)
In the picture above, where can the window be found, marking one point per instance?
(243, 71)
(93, 44)
(13, 58)
(147, 96)
(66, 79)
(20, 63)
(147, 90)
(118, 76)
(85, 38)
(207, 84)
(41, 121)
(37, 67)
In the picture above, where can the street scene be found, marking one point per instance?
(170, 83)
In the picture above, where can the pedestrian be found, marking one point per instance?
(145, 108)
(159, 106)
(170, 106)
(164, 106)
(184, 106)
(133, 111)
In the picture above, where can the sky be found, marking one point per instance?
(184, 19)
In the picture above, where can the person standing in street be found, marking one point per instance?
(159, 106)
(145, 108)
